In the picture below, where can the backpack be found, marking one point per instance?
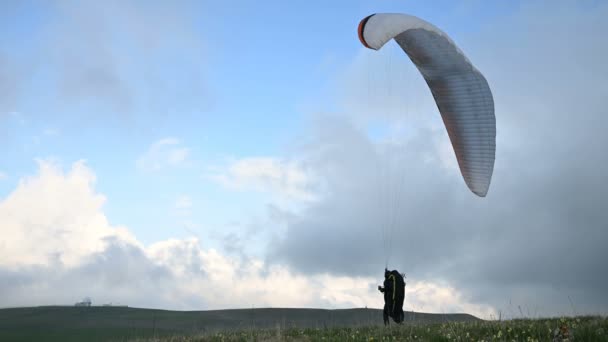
(397, 296)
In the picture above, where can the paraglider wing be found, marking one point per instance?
(461, 92)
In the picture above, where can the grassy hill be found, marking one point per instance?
(67, 323)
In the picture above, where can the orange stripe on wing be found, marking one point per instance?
(360, 30)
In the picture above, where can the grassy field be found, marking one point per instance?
(557, 329)
(123, 324)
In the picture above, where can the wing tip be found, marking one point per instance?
(480, 192)
(361, 28)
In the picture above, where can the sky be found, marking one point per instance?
(207, 155)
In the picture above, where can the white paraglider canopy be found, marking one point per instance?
(461, 92)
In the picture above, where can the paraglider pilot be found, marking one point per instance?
(394, 294)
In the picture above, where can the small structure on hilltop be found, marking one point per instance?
(117, 305)
(85, 302)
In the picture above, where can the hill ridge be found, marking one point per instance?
(34, 323)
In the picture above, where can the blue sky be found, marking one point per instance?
(203, 119)
(259, 69)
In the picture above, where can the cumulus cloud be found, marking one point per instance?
(538, 238)
(282, 178)
(163, 153)
(69, 250)
(54, 217)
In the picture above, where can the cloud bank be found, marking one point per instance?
(69, 250)
(538, 239)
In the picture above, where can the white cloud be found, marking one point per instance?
(54, 217)
(282, 178)
(58, 246)
(163, 153)
(427, 296)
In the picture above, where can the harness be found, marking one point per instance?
(394, 289)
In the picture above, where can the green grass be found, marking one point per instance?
(585, 328)
(131, 324)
